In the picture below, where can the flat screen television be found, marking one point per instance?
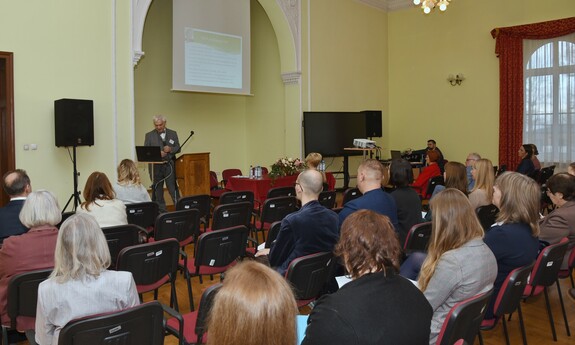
(329, 133)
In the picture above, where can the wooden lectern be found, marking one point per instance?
(193, 173)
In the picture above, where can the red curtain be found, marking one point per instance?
(509, 49)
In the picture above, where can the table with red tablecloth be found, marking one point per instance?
(261, 186)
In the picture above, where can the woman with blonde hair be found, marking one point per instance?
(80, 284)
(484, 176)
(128, 188)
(33, 250)
(254, 306)
(458, 264)
(313, 161)
(101, 201)
(513, 238)
(378, 306)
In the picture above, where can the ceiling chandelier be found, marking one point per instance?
(428, 5)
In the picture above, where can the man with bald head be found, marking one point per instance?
(311, 229)
(16, 184)
(369, 177)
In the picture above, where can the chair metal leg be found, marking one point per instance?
(522, 325)
(550, 314)
(173, 294)
(190, 295)
(480, 337)
(571, 278)
(505, 330)
(563, 308)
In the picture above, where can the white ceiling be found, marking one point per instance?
(388, 5)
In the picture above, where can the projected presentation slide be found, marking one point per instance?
(213, 59)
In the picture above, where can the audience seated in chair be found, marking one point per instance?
(313, 161)
(406, 199)
(32, 250)
(431, 170)
(484, 177)
(378, 306)
(101, 202)
(526, 166)
(513, 239)
(80, 284)
(369, 179)
(311, 229)
(17, 186)
(458, 264)
(128, 188)
(471, 159)
(561, 221)
(255, 306)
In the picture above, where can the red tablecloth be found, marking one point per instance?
(261, 186)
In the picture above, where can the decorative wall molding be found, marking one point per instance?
(139, 13)
(291, 78)
(292, 12)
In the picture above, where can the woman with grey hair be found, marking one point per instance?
(32, 250)
(80, 284)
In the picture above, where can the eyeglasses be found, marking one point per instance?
(299, 184)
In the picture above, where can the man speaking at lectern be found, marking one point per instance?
(169, 144)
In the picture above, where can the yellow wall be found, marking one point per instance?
(65, 49)
(425, 49)
(236, 130)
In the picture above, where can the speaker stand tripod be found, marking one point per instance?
(76, 194)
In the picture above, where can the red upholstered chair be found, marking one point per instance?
(192, 325)
(487, 215)
(183, 225)
(120, 237)
(508, 300)
(327, 198)
(544, 274)
(227, 173)
(281, 191)
(142, 325)
(417, 238)
(308, 275)
(274, 210)
(215, 188)
(216, 251)
(152, 265)
(143, 214)
(464, 319)
(200, 202)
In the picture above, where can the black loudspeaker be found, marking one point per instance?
(372, 123)
(74, 122)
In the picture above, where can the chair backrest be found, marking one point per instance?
(120, 237)
(206, 303)
(350, 194)
(214, 184)
(548, 263)
(417, 238)
(545, 174)
(184, 226)
(308, 274)
(273, 233)
(327, 198)
(432, 183)
(275, 209)
(281, 191)
(487, 215)
(237, 196)
(511, 291)
(150, 263)
(464, 320)
(228, 215)
(142, 213)
(200, 202)
(227, 173)
(142, 325)
(219, 248)
(65, 215)
(502, 169)
(22, 295)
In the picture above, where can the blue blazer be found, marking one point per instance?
(376, 200)
(9, 219)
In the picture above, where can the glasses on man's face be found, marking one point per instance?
(298, 184)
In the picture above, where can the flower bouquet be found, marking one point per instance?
(286, 167)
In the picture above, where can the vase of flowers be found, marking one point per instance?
(286, 167)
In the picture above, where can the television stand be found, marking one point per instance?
(365, 152)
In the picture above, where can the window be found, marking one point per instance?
(549, 116)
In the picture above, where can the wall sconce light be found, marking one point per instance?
(455, 80)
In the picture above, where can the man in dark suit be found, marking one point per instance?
(369, 177)
(167, 140)
(311, 229)
(16, 184)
